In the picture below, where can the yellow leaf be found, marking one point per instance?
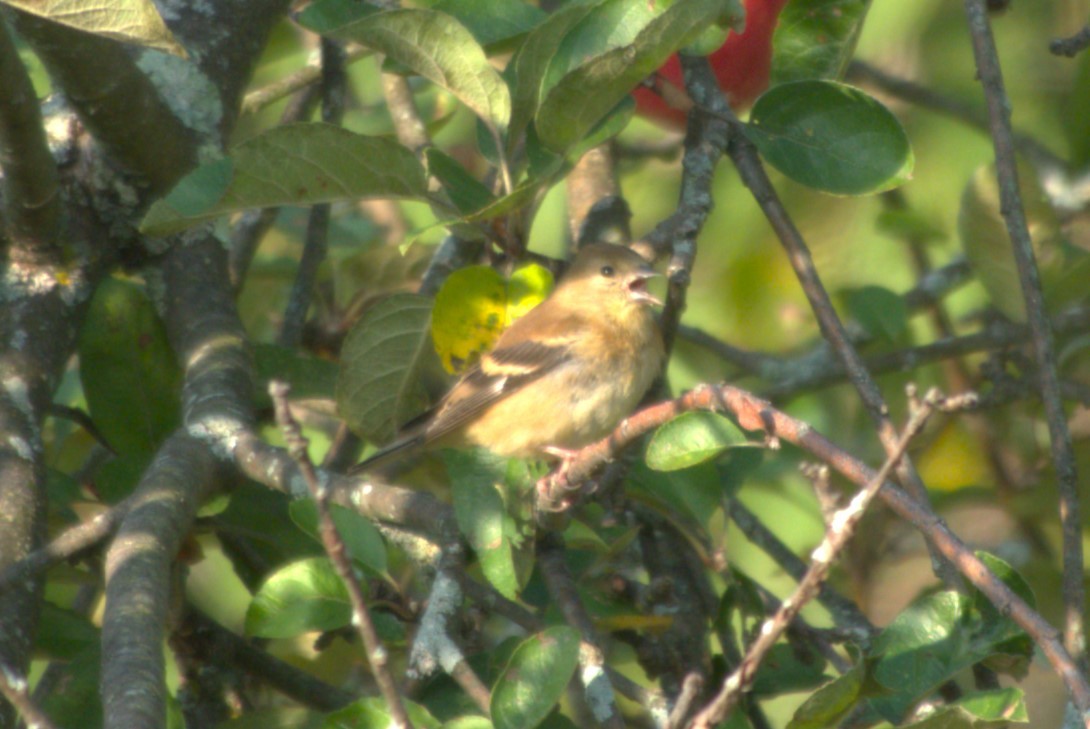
(476, 304)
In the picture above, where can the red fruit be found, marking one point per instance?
(742, 66)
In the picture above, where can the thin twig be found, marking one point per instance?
(964, 112)
(755, 414)
(752, 171)
(1072, 45)
(1014, 216)
(839, 532)
(377, 655)
(316, 243)
(14, 689)
(845, 613)
(598, 692)
(260, 98)
(67, 544)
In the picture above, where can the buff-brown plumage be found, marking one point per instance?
(560, 377)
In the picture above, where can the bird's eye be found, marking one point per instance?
(607, 271)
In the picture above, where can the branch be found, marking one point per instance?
(221, 645)
(115, 100)
(139, 564)
(376, 652)
(839, 533)
(598, 692)
(31, 203)
(13, 688)
(845, 613)
(705, 139)
(753, 413)
(315, 243)
(1072, 45)
(926, 98)
(258, 99)
(1014, 216)
(753, 175)
(592, 180)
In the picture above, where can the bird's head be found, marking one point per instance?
(610, 274)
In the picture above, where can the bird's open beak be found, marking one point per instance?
(637, 286)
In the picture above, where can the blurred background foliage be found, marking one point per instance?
(988, 472)
(745, 293)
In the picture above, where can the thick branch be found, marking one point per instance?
(138, 584)
(115, 99)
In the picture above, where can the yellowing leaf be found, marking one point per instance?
(476, 304)
(953, 461)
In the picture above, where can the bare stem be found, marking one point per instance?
(377, 654)
(1014, 215)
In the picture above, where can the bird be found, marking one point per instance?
(559, 378)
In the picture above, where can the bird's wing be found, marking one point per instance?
(501, 372)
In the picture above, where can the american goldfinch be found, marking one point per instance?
(562, 376)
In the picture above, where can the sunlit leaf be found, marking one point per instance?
(578, 101)
(298, 598)
(476, 304)
(128, 21)
(535, 678)
(439, 48)
(816, 38)
(293, 164)
(361, 539)
(692, 438)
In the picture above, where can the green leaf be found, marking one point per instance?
(784, 671)
(324, 16)
(378, 388)
(298, 598)
(830, 703)
(696, 491)
(493, 24)
(578, 101)
(991, 709)
(372, 713)
(262, 532)
(128, 21)
(439, 48)
(463, 189)
(79, 704)
(1001, 642)
(64, 634)
(294, 164)
(919, 650)
(478, 489)
(129, 374)
(532, 63)
(882, 313)
(361, 539)
(692, 438)
(831, 137)
(468, 722)
(535, 678)
(309, 376)
(476, 304)
(816, 38)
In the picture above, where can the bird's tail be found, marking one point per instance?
(388, 454)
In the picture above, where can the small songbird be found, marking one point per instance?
(559, 378)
